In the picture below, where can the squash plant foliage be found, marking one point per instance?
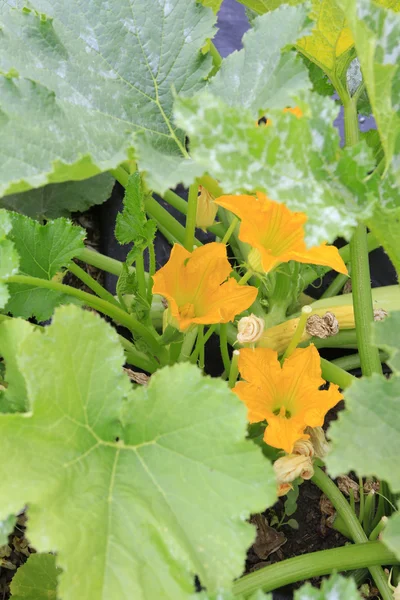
(145, 491)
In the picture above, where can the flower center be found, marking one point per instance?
(187, 311)
(283, 412)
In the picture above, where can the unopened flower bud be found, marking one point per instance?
(283, 489)
(304, 447)
(250, 329)
(291, 466)
(206, 209)
(318, 440)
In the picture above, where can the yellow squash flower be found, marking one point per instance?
(286, 396)
(277, 233)
(198, 287)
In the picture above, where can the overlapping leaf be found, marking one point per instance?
(36, 579)
(9, 259)
(80, 80)
(60, 200)
(13, 333)
(335, 588)
(376, 33)
(260, 76)
(43, 251)
(132, 224)
(294, 160)
(6, 528)
(366, 437)
(154, 496)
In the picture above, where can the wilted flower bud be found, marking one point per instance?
(283, 489)
(250, 329)
(206, 209)
(291, 466)
(304, 447)
(318, 440)
(322, 327)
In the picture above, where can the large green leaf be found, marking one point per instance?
(263, 6)
(376, 33)
(366, 436)
(214, 4)
(36, 579)
(43, 251)
(60, 200)
(295, 160)
(385, 220)
(136, 491)
(82, 79)
(391, 534)
(260, 76)
(334, 588)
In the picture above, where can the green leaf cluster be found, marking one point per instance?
(116, 474)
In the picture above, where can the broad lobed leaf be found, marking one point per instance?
(9, 259)
(36, 579)
(295, 160)
(261, 76)
(154, 496)
(336, 587)
(60, 200)
(44, 250)
(64, 74)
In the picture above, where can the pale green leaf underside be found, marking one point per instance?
(376, 33)
(12, 334)
(336, 587)
(386, 336)
(153, 498)
(44, 250)
(36, 579)
(60, 200)
(391, 534)
(296, 161)
(263, 6)
(260, 76)
(6, 528)
(9, 259)
(366, 436)
(91, 76)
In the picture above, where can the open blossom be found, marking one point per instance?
(277, 234)
(198, 287)
(286, 396)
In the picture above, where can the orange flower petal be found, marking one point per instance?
(277, 232)
(197, 287)
(287, 397)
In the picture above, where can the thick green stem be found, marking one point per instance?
(223, 344)
(353, 525)
(337, 284)
(314, 564)
(191, 217)
(100, 261)
(117, 314)
(140, 276)
(187, 346)
(92, 284)
(305, 313)
(163, 218)
(362, 302)
(335, 374)
(353, 361)
(359, 261)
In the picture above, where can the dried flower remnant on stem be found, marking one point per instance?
(380, 314)
(290, 467)
(318, 440)
(322, 327)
